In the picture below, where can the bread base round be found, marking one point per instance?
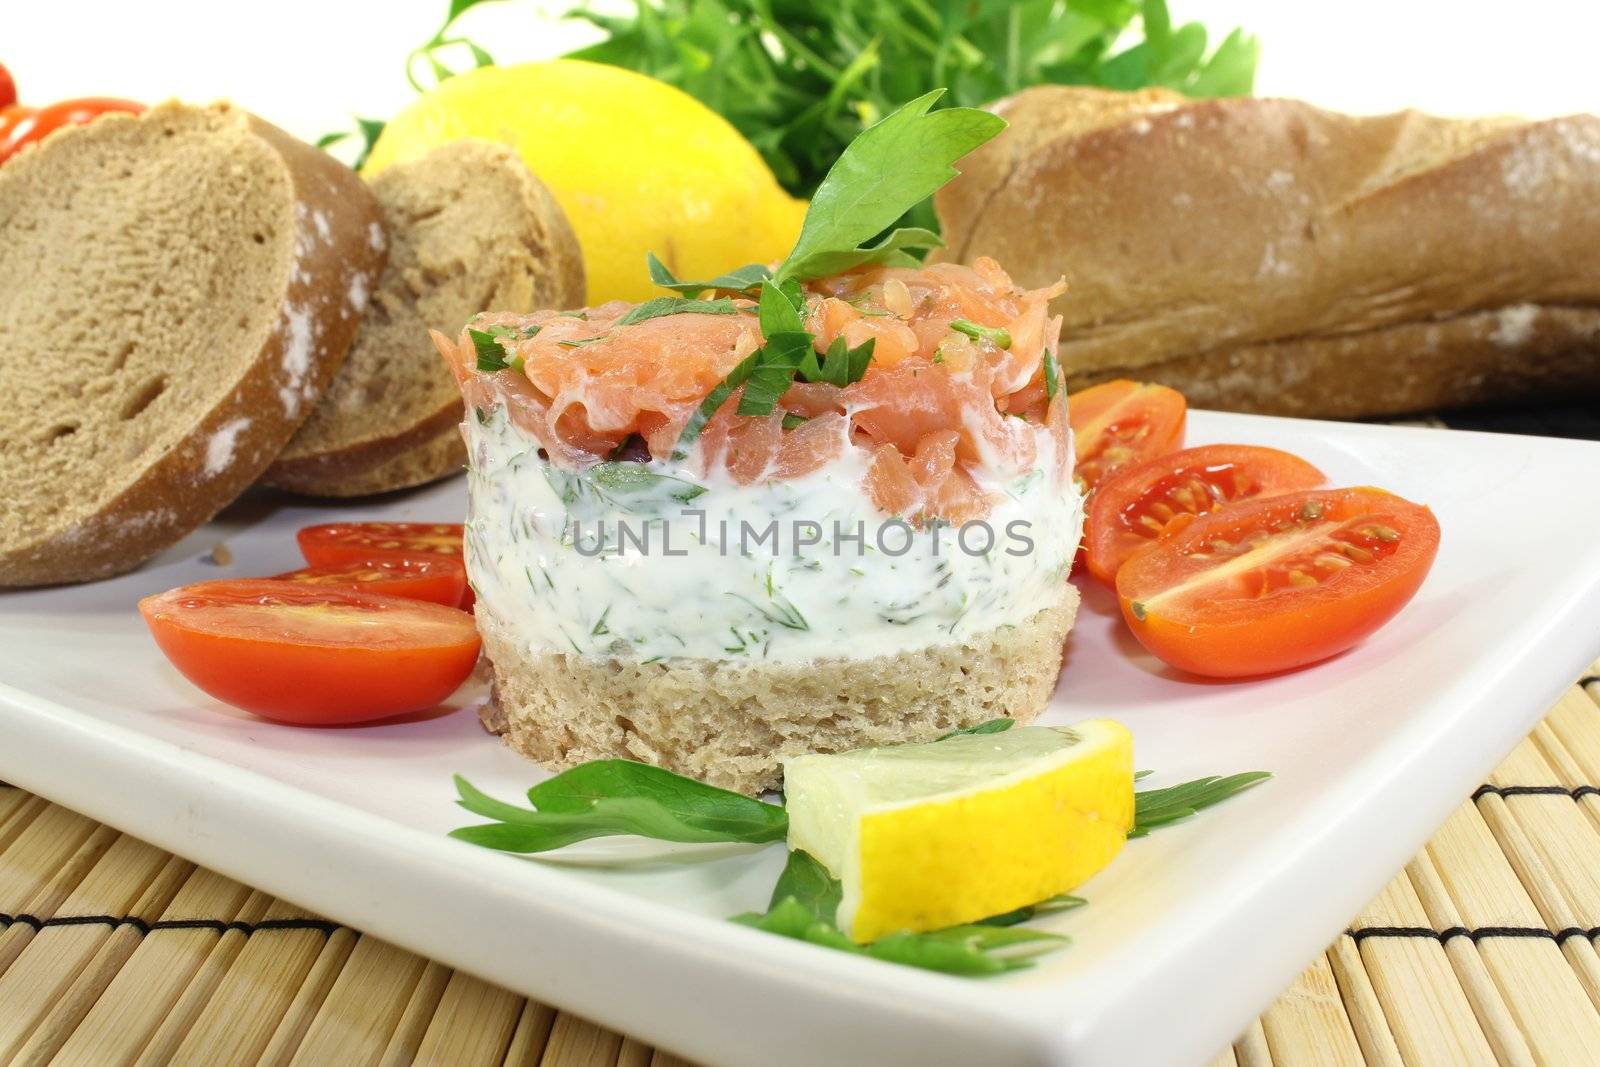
(732, 723)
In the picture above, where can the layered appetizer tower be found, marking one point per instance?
(812, 515)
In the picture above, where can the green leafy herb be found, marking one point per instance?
(999, 336)
(993, 726)
(802, 80)
(623, 485)
(673, 305)
(579, 342)
(889, 168)
(1155, 808)
(839, 365)
(1059, 902)
(743, 280)
(714, 400)
(367, 129)
(1052, 374)
(791, 421)
(777, 362)
(606, 798)
(490, 352)
(806, 899)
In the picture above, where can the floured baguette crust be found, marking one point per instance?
(471, 228)
(1203, 238)
(733, 723)
(176, 290)
(1521, 351)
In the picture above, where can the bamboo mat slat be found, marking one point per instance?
(1482, 950)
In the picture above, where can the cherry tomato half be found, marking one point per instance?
(1277, 582)
(1116, 424)
(35, 127)
(8, 88)
(1137, 504)
(438, 580)
(337, 543)
(10, 116)
(312, 655)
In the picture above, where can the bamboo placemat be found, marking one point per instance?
(114, 952)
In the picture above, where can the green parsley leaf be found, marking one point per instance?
(490, 352)
(607, 798)
(675, 305)
(782, 308)
(742, 280)
(893, 251)
(714, 400)
(890, 167)
(776, 364)
(838, 365)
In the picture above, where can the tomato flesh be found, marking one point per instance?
(1278, 582)
(1138, 504)
(311, 654)
(438, 580)
(337, 543)
(37, 125)
(1116, 424)
(8, 88)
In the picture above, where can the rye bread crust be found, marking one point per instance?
(445, 454)
(330, 246)
(732, 724)
(1201, 239)
(471, 228)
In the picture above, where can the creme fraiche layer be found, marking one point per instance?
(657, 561)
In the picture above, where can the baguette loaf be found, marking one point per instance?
(176, 291)
(1266, 255)
(471, 228)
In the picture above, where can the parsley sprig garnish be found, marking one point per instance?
(608, 798)
(888, 169)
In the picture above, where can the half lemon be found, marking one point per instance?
(922, 837)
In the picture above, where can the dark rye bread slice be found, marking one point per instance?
(472, 230)
(176, 290)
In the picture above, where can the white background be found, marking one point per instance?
(309, 64)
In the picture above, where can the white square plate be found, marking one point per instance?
(1187, 935)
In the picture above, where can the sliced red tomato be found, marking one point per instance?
(36, 126)
(8, 88)
(337, 543)
(1116, 424)
(1277, 582)
(10, 116)
(1134, 506)
(310, 654)
(439, 580)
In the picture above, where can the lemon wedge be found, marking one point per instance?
(922, 837)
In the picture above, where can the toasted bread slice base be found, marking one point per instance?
(471, 229)
(732, 723)
(176, 290)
